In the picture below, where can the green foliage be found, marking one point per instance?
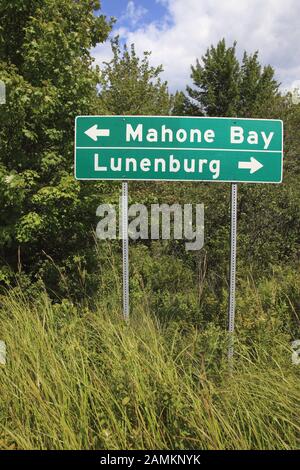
(183, 106)
(162, 275)
(273, 304)
(46, 65)
(47, 218)
(258, 88)
(129, 85)
(223, 87)
(49, 34)
(290, 113)
(217, 81)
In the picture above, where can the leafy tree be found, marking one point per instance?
(258, 88)
(224, 87)
(46, 64)
(217, 81)
(131, 86)
(182, 106)
(289, 112)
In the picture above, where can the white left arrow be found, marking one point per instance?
(93, 132)
(254, 165)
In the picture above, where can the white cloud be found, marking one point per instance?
(271, 26)
(102, 53)
(134, 13)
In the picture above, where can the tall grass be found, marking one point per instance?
(81, 379)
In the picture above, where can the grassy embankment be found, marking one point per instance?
(82, 379)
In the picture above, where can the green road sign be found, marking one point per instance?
(178, 148)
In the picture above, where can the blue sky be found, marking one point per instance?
(147, 11)
(179, 31)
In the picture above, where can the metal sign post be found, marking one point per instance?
(231, 310)
(125, 250)
(2, 92)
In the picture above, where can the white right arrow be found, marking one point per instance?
(93, 132)
(254, 165)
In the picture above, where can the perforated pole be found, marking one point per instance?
(125, 250)
(231, 310)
